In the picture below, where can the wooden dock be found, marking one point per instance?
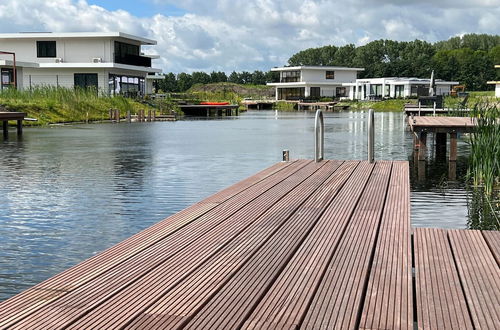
(414, 110)
(301, 244)
(6, 116)
(259, 104)
(205, 110)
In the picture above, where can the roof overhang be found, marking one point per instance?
(18, 64)
(305, 84)
(311, 67)
(55, 35)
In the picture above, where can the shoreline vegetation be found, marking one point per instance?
(51, 105)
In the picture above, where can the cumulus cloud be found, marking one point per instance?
(252, 35)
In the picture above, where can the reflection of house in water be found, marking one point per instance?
(378, 88)
(110, 61)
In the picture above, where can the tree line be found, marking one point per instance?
(183, 81)
(469, 59)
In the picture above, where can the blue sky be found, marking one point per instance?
(140, 8)
(248, 35)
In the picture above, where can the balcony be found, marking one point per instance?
(133, 60)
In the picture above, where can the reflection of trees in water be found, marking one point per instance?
(483, 209)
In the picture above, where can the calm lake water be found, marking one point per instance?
(68, 192)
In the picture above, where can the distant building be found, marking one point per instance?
(110, 61)
(496, 83)
(378, 88)
(300, 82)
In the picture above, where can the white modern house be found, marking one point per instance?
(299, 82)
(113, 62)
(378, 88)
(496, 83)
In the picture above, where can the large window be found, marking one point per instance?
(341, 91)
(399, 90)
(330, 75)
(290, 76)
(46, 49)
(86, 80)
(7, 76)
(130, 54)
(126, 85)
(291, 93)
(315, 92)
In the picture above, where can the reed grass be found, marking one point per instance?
(484, 167)
(56, 105)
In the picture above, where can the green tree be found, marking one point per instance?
(200, 78)
(184, 81)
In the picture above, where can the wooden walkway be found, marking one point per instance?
(299, 245)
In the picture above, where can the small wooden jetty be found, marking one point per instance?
(441, 126)
(258, 104)
(326, 106)
(414, 110)
(6, 116)
(207, 110)
(302, 244)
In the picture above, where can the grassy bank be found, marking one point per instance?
(58, 105)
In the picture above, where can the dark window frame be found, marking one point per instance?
(46, 49)
(86, 79)
(330, 75)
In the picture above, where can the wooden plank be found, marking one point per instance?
(493, 240)
(21, 305)
(337, 302)
(289, 220)
(389, 300)
(147, 276)
(253, 281)
(480, 276)
(440, 300)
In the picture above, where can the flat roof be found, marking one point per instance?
(57, 35)
(316, 67)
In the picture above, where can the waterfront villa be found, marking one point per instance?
(496, 83)
(110, 61)
(299, 82)
(379, 88)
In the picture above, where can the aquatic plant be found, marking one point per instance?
(56, 104)
(484, 167)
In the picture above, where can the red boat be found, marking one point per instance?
(214, 103)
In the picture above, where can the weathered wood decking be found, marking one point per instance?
(298, 245)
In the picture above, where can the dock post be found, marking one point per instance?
(149, 116)
(5, 127)
(371, 136)
(19, 127)
(129, 116)
(286, 155)
(154, 115)
(117, 115)
(319, 136)
(422, 149)
(453, 146)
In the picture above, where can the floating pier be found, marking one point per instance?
(258, 104)
(303, 244)
(6, 116)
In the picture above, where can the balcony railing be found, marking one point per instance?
(134, 60)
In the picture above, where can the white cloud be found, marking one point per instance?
(252, 35)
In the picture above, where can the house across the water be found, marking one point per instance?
(496, 83)
(303, 82)
(112, 62)
(379, 88)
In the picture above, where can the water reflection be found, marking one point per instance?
(69, 192)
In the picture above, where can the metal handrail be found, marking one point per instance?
(319, 136)
(371, 136)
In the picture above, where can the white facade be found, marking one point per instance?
(301, 82)
(378, 88)
(496, 83)
(113, 61)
